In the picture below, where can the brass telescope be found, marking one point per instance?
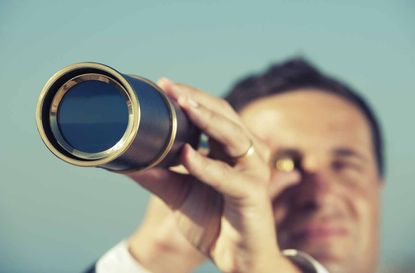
(91, 115)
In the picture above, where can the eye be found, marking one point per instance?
(344, 165)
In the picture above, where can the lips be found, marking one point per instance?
(311, 232)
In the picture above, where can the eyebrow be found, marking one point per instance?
(348, 152)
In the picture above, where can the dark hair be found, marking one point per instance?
(297, 73)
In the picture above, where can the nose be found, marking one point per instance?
(317, 188)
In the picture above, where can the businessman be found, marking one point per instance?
(291, 182)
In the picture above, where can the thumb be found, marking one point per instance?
(169, 186)
(283, 180)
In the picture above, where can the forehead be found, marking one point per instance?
(308, 118)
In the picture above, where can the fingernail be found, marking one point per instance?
(181, 101)
(164, 83)
(165, 80)
(189, 149)
(192, 103)
(187, 102)
(176, 90)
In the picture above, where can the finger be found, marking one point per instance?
(169, 186)
(225, 131)
(184, 93)
(165, 85)
(214, 173)
(282, 180)
(214, 104)
(179, 91)
(168, 87)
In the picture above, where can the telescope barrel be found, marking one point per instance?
(90, 115)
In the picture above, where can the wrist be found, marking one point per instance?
(159, 255)
(270, 265)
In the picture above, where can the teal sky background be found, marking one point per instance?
(59, 218)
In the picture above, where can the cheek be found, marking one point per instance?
(362, 207)
(364, 226)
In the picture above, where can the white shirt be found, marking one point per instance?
(119, 260)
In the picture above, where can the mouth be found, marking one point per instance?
(318, 232)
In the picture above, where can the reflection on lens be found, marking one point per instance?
(92, 116)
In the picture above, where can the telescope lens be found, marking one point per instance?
(93, 116)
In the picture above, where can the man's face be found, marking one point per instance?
(333, 212)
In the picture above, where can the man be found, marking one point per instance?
(298, 167)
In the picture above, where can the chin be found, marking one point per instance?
(323, 252)
(332, 254)
(329, 251)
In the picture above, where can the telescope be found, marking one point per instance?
(91, 115)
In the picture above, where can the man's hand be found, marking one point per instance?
(222, 204)
(159, 246)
